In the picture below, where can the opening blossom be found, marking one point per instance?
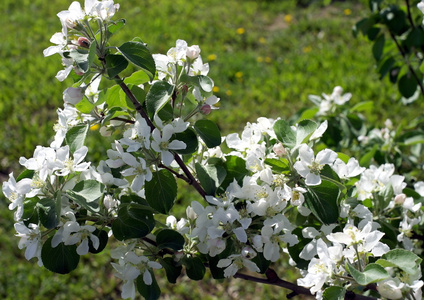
(309, 166)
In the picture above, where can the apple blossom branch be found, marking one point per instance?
(189, 177)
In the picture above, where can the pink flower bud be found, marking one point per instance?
(83, 42)
(193, 52)
(400, 199)
(73, 95)
(279, 150)
(206, 109)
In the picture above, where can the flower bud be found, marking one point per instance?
(193, 52)
(83, 42)
(279, 150)
(400, 199)
(191, 215)
(205, 109)
(73, 95)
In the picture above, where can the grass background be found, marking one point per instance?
(265, 57)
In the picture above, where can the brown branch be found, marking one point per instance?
(409, 65)
(409, 14)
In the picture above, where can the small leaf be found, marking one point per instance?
(371, 274)
(194, 267)
(210, 177)
(401, 258)
(25, 174)
(133, 221)
(149, 292)
(322, 200)
(138, 54)
(407, 85)
(334, 293)
(47, 213)
(377, 48)
(168, 238)
(87, 193)
(75, 137)
(115, 64)
(173, 271)
(159, 94)
(209, 132)
(137, 78)
(236, 169)
(161, 191)
(203, 82)
(285, 133)
(103, 239)
(62, 259)
(189, 137)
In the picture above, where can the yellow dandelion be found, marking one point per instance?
(240, 31)
(228, 93)
(262, 40)
(307, 49)
(259, 59)
(288, 18)
(212, 57)
(215, 89)
(347, 12)
(268, 59)
(95, 127)
(239, 74)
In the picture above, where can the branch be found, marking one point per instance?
(409, 14)
(190, 178)
(409, 65)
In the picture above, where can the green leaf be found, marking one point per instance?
(195, 268)
(103, 239)
(84, 106)
(133, 221)
(173, 271)
(137, 78)
(149, 292)
(210, 177)
(75, 137)
(113, 98)
(62, 259)
(407, 85)
(291, 137)
(322, 200)
(401, 258)
(334, 293)
(236, 169)
(114, 27)
(201, 81)
(161, 191)
(115, 64)
(159, 94)
(30, 213)
(377, 48)
(87, 193)
(366, 159)
(168, 238)
(411, 138)
(189, 137)
(385, 66)
(278, 165)
(47, 213)
(138, 54)
(81, 59)
(371, 274)
(25, 174)
(363, 106)
(209, 132)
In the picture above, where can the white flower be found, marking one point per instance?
(235, 262)
(15, 192)
(310, 167)
(319, 131)
(60, 39)
(70, 165)
(193, 52)
(347, 170)
(162, 145)
(390, 288)
(74, 233)
(139, 169)
(30, 239)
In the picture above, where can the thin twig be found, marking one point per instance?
(409, 14)
(409, 65)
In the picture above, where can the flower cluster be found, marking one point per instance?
(275, 191)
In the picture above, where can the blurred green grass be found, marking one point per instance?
(265, 58)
